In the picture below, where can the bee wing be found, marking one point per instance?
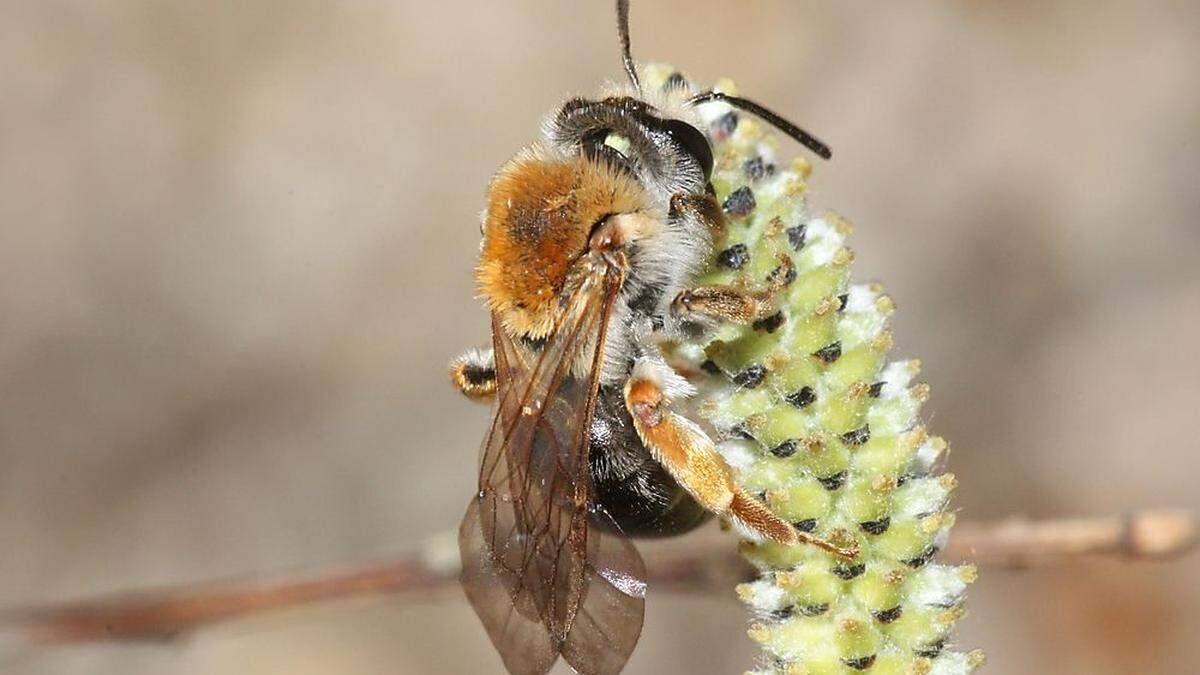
(542, 582)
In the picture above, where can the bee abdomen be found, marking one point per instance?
(632, 493)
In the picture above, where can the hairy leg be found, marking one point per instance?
(692, 459)
(700, 208)
(474, 374)
(727, 303)
(736, 304)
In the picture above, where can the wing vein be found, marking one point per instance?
(530, 559)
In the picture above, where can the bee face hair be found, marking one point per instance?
(665, 151)
(597, 158)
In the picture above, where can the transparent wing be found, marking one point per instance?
(542, 582)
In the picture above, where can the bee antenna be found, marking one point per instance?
(801, 136)
(623, 32)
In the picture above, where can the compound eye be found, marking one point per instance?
(693, 143)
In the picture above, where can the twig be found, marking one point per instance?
(1019, 542)
(703, 562)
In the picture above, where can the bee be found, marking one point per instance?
(593, 237)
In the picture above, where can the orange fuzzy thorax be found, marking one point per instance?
(540, 213)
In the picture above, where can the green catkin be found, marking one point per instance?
(816, 421)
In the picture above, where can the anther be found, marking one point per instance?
(740, 202)
(750, 377)
(735, 257)
(796, 236)
(802, 398)
(829, 353)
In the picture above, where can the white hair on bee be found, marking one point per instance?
(674, 386)
(475, 357)
(474, 372)
(599, 243)
(669, 104)
(663, 260)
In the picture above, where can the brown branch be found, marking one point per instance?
(702, 562)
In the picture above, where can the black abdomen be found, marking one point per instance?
(638, 496)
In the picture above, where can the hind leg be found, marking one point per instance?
(474, 374)
(691, 458)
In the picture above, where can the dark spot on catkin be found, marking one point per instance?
(876, 526)
(802, 398)
(785, 449)
(735, 257)
(769, 324)
(750, 377)
(740, 430)
(889, 615)
(783, 275)
(781, 614)
(931, 650)
(725, 125)
(848, 572)
(919, 561)
(796, 236)
(806, 525)
(858, 436)
(755, 168)
(860, 663)
(829, 353)
(740, 202)
(833, 482)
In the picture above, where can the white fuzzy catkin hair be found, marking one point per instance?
(816, 421)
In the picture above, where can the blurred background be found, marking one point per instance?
(236, 243)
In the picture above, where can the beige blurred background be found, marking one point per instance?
(235, 252)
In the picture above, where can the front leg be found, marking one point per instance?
(727, 303)
(474, 374)
(693, 461)
(736, 304)
(700, 208)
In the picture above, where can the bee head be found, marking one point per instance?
(543, 207)
(634, 137)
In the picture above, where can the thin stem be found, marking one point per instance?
(704, 562)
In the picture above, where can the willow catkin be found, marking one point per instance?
(816, 421)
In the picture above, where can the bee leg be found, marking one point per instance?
(691, 458)
(736, 304)
(699, 208)
(474, 374)
(722, 302)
